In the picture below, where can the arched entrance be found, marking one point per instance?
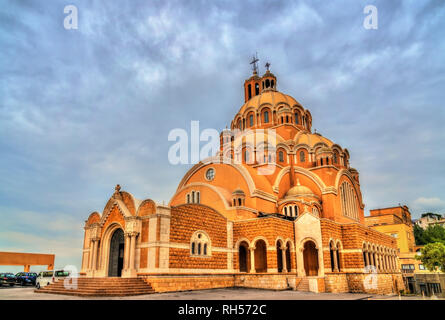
(310, 255)
(116, 260)
(243, 257)
(260, 256)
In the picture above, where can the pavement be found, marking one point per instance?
(27, 293)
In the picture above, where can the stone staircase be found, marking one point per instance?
(303, 285)
(101, 287)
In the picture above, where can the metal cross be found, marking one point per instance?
(254, 62)
(267, 65)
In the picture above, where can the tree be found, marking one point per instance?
(432, 256)
(435, 233)
(419, 235)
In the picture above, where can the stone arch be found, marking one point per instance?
(105, 242)
(260, 255)
(243, 256)
(109, 207)
(318, 182)
(310, 258)
(93, 218)
(147, 207)
(255, 240)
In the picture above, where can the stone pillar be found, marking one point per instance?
(94, 256)
(132, 250)
(252, 260)
(371, 255)
(90, 256)
(283, 258)
(366, 258)
(377, 262)
(126, 251)
(334, 252)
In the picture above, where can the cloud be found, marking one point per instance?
(434, 204)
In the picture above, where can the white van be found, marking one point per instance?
(45, 278)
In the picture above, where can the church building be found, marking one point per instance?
(280, 212)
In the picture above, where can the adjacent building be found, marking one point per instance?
(397, 222)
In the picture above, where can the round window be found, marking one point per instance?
(210, 174)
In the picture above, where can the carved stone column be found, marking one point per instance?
(283, 258)
(366, 258)
(252, 260)
(335, 259)
(126, 250)
(132, 250)
(94, 255)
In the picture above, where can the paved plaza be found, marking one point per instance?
(27, 293)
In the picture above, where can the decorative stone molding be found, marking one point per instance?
(133, 225)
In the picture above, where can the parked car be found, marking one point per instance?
(24, 278)
(7, 279)
(45, 278)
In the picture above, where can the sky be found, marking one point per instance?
(84, 109)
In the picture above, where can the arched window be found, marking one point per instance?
(302, 156)
(281, 156)
(287, 119)
(188, 198)
(251, 120)
(315, 211)
(296, 211)
(239, 124)
(272, 82)
(267, 83)
(282, 120)
(239, 202)
(296, 118)
(266, 117)
(321, 161)
(249, 89)
(327, 160)
(348, 200)
(193, 196)
(197, 197)
(200, 244)
(285, 211)
(335, 157)
(246, 156)
(257, 89)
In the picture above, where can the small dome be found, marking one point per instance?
(299, 190)
(238, 191)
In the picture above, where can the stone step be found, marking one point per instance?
(108, 291)
(303, 285)
(101, 287)
(89, 294)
